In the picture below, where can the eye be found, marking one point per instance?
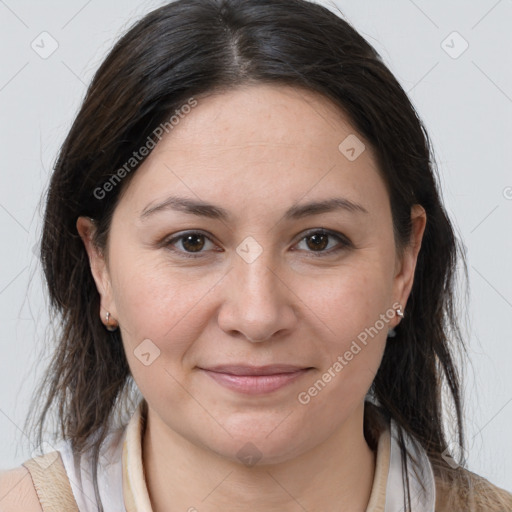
(192, 244)
(189, 244)
(317, 241)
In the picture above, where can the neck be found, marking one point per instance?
(336, 475)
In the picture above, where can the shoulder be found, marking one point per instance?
(17, 492)
(465, 490)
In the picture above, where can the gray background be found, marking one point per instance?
(464, 98)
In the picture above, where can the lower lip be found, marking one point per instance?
(255, 384)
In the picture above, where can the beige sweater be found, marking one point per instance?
(471, 493)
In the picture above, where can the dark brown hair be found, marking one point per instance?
(190, 48)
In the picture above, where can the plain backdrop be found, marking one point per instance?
(453, 58)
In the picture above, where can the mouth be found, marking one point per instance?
(254, 380)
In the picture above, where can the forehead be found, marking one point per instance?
(260, 145)
(250, 118)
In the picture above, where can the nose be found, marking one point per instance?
(258, 302)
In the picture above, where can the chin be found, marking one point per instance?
(262, 443)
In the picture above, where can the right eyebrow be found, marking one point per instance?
(191, 206)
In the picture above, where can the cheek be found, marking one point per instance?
(161, 303)
(352, 315)
(349, 301)
(352, 356)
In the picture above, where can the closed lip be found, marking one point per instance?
(245, 370)
(255, 380)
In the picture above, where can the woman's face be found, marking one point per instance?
(258, 233)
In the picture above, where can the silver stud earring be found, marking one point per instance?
(392, 332)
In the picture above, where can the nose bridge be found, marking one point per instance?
(253, 268)
(258, 305)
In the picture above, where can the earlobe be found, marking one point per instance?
(97, 263)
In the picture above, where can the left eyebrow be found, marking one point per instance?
(203, 209)
(328, 205)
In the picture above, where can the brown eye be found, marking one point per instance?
(319, 242)
(193, 244)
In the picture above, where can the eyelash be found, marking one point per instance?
(344, 243)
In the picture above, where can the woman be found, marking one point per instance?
(244, 226)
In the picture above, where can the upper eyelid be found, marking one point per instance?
(176, 238)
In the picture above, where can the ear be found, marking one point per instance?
(99, 268)
(405, 266)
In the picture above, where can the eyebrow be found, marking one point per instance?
(203, 209)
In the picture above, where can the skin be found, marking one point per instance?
(255, 151)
